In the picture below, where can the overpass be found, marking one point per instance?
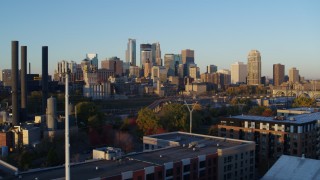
(296, 93)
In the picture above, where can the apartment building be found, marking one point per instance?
(292, 132)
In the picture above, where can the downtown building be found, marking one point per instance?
(278, 74)
(292, 132)
(294, 75)
(238, 73)
(254, 68)
(175, 155)
(131, 52)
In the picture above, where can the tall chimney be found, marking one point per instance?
(44, 78)
(14, 81)
(29, 68)
(23, 74)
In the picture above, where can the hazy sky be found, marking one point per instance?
(221, 32)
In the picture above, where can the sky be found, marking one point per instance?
(220, 32)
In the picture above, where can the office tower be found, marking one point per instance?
(293, 75)
(114, 64)
(181, 70)
(147, 68)
(156, 54)
(15, 81)
(134, 71)
(145, 53)
(169, 64)
(278, 74)
(187, 56)
(131, 52)
(238, 72)
(5, 77)
(254, 68)
(194, 71)
(212, 69)
(159, 73)
(23, 83)
(44, 78)
(93, 59)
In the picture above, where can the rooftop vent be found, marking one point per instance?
(292, 119)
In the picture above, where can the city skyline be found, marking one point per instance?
(220, 33)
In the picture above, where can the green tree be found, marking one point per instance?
(174, 117)
(147, 121)
(89, 114)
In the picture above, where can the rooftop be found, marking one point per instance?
(296, 119)
(294, 168)
(206, 145)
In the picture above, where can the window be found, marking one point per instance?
(146, 146)
(251, 153)
(186, 177)
(241, 155)
(202, 164)
(139, 177)
(202, 173)
(150, 176)
(229, 158)
(186, 168)
(169, 172)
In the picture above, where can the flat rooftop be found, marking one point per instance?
(297, 119)
(209, 145)
(294, 168)
(88, 170)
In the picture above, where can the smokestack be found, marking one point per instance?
(44, 78)
(14, 81)
(29, 68)
(23, 83)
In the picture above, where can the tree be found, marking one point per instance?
(174, 117)
(268, 112)
(147, 121)
(304, 102)
(89, 114)
(257, 110)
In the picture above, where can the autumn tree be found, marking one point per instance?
(257, 110)
(88, 114)
(147, 121)
(304, 102)
(268, 112)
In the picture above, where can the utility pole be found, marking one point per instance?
(190, 111)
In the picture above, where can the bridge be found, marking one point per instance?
(296, 93)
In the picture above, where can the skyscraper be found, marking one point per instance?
(156, 54)
(131, 52)
(187, 56)
(93, 58)
(169, 64)
(278, 74)
(254, 68)
(145, 53)
(293, 75)
(238, 72)
(212, 69)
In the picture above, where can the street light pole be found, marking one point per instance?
(190, 111)
(67, 145)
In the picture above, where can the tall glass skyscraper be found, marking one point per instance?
(254, 68)
(131, 52)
